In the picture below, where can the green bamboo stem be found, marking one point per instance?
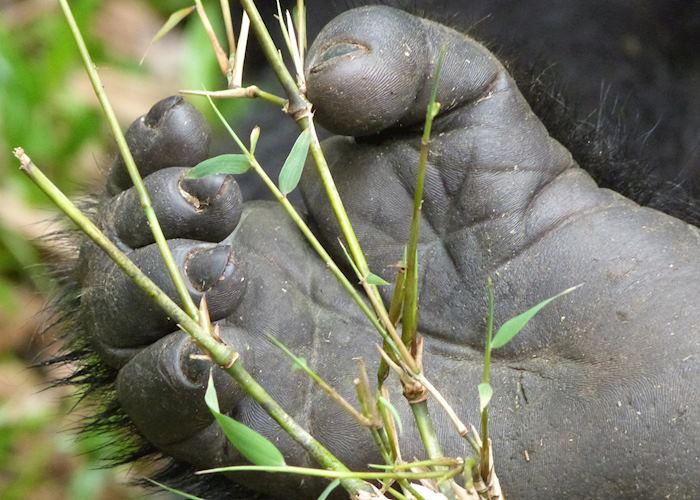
(395, 309)
(143, 195)
(486, 379)
(301, 27)
(410, 309)
(300, 109)
(220, 353)
(430, 441)
(426, 430)
(297, 102)
(221, 58)
(305, 471)
(323, 385)
(251, 92)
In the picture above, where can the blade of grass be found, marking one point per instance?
(174, 19)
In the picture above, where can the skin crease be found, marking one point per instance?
(601, 390)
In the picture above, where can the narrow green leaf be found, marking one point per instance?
(223, 164)
(172, 21)
(174, 491)
(329, 489)
(294, 164)
(210, 397)
(256, 448)
(373, 279)
(485, 393)
(513, 326)
(387, 404)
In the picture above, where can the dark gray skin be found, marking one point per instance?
(599, 397)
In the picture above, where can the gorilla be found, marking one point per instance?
(598, 397)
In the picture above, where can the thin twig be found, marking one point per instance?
(239, 61)
(325, 386)
(134, 174)
(301, 30)
(286, 469)
(228, 25)
(250, 92)
(410, 306)
(213, 39)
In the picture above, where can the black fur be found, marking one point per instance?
(622, 154)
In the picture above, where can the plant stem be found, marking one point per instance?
(430, 441)
(297, 102)
(301, 27)
(485, 379)
(410, 309)
(218, 51)
(220, 354)
(252, 92)
(395, 308)
(426, 430)
(228, 25)
(286, 469)
(143, 195)
(239, 58)
(330, 391)
(300, 109)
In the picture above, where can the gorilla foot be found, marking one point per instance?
(600, 392)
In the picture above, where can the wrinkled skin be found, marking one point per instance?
(600, 392)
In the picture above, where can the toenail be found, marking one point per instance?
(160, 109)
(206, 266)
(336, 51)
(200, 192)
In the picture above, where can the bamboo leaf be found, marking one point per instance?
(329, 489)
(223, 164)
(387, 404)
(172, 21)
(256, 448)
(376, 280)
(485, 393)
(513, 326)
(294, 164)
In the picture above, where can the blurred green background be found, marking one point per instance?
(47, 107)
